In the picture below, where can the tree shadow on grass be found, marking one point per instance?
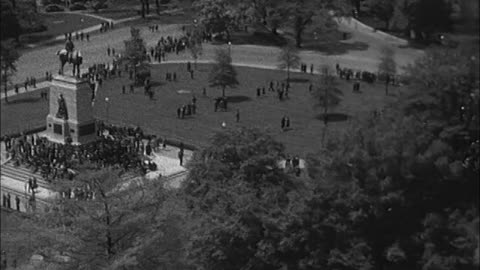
(35, 38)
(23, 100)
(258, 37)
(337, 48)
(299, 80)
(155, 84)
(333, 117)
(238, 99)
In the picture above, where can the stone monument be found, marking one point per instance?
(70, 111)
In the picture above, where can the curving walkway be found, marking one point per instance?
(40, 60)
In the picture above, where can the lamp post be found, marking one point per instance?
(230, 49)
(107, 108)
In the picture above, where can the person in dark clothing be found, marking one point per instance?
(237, 115)
(9, 203)
(123, 89)
(258, 91)
(283, 123)
(30, 184)
(263, 91)
(35, 185)
(17, 202)
(179, 112)
(180, 157)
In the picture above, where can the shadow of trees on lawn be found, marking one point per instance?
(333, 117)
(237, 99)
(298, 80)
(22, 100)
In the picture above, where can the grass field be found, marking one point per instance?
(158, 116)
(58, 24)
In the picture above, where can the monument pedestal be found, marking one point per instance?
(79, 124)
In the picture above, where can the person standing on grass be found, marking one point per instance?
(26, 85)
(16, 88)
(237, 115)
(88, 37)
(180, 157)
(282, 123)
(108, 50)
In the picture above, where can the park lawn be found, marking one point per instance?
(158, 116)
(25, 111)
(58, 24)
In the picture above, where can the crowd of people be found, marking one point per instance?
(118, 147)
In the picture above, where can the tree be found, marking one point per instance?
(288, 59)
(142, 11)
(241, 203)
(135, 49)
(268, 13)
(387, 66)
(412, 159)
(383, 9)
(427, 17)
(301, 13)
(10, 26)
(223, 73)
(109, 221)
(327, 93)
(195, 44)
(218, 16)
(9, 56)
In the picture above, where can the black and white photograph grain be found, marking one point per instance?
(240, 134)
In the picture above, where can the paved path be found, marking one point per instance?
(36, 62)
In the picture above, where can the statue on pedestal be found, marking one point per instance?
(62, 108)
(71, 56)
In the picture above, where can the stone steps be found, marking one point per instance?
(23, 173)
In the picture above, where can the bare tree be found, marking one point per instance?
(288, 59)
(387, 66)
